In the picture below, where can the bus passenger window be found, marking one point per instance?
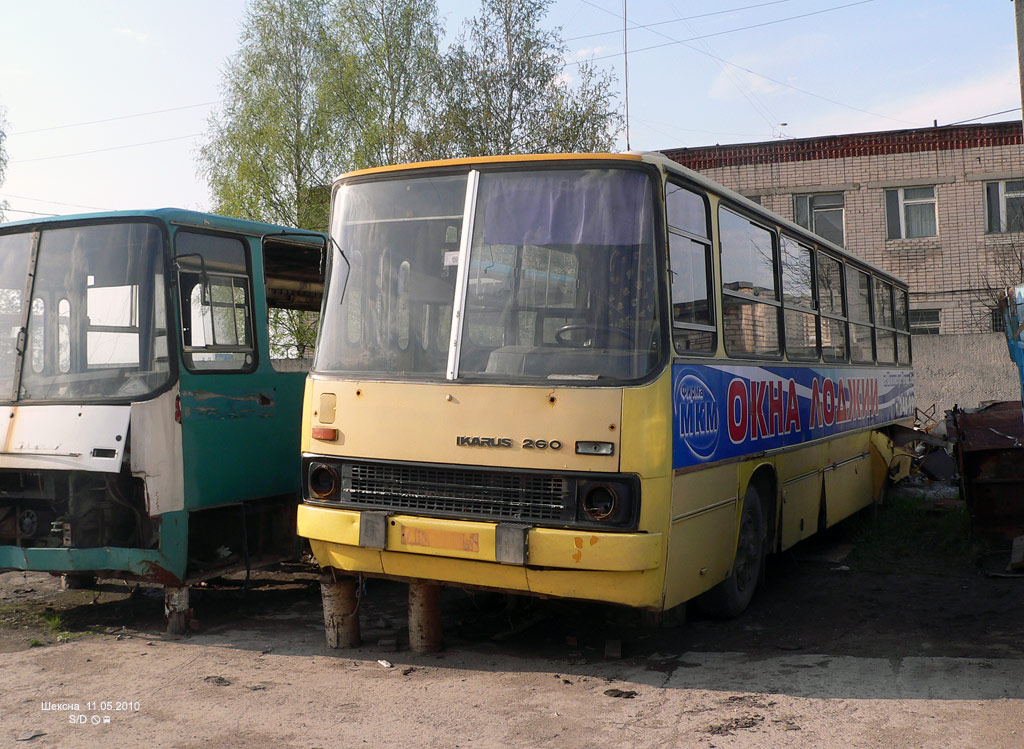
(404, 322)
(38, 326)
(750, 295)
(858, 294)
(216, 305)
(902, 318)
(64, 336)
(693, 323)
(830, 300)
(112, 339)
(293, 281)
(885, 338)
(801, 322)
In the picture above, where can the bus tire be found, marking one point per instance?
(732, 596)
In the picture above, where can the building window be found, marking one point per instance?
(1004, 206)
(924, 322)
(822, 213)
(910, 212)
(998, 322)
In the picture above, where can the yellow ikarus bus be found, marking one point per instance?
(599, 377)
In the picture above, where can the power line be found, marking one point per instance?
(54, 202)
(31, 213)
(112, 119)
(102, 150)
(721, 33)
(972, 119)
(674, 20)
(748, 70)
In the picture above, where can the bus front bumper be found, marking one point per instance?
(616, 567)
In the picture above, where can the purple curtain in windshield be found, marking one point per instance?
(609, 207)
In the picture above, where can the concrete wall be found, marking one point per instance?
(964, 369)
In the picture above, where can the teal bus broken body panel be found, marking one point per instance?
(239, 431)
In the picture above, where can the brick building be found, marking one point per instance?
(941, 207)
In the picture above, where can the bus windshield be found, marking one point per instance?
(559, 280)
(96, 324)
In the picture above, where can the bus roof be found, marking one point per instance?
(178, 216)
(651, 157)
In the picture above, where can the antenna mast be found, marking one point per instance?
(625, 66)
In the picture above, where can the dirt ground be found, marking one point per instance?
(893, 629)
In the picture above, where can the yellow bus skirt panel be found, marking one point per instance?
(643, 588)
(590, 564)
(350, 558)
(847, 476)
(547, 547)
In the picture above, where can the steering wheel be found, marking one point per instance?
(562, 334)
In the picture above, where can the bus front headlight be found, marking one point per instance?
(323, 481)
(608, 501)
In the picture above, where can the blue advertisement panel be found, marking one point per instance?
(726, 411)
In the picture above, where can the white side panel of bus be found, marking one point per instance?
(156, 453)
(78, 438)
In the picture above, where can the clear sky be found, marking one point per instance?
(107, 102)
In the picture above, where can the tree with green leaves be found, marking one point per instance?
(394, 49)
(504, 89)
(318, 87)
(3, 157)
(273, 147)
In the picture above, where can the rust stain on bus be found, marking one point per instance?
(153, 572)
(438, 539)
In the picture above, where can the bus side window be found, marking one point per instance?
(38, 326)
(902, 319)
(885, 338)
(830, 299)
(801, 320)
(295, 287)
(216, 302)
(750, 293)
(858, 295)
(64, 336)
(693, 321)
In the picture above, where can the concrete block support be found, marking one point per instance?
(341, 610)
(425, 634)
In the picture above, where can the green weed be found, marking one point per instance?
(912, 533)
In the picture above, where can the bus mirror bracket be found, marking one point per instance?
(510, 543)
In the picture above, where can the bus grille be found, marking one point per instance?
(487, 494)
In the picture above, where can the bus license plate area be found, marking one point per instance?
(443, 540)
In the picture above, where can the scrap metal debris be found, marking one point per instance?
(626, 694)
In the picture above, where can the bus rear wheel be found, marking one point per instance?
(732, 596)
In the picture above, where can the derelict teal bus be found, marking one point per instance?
(147, 432)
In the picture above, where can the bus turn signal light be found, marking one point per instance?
(595, 448)
(325, 433)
